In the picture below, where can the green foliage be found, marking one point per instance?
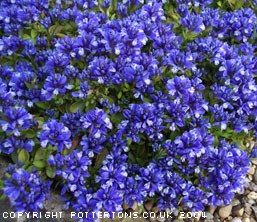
(23, 156)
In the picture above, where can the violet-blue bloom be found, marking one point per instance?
(56, 134)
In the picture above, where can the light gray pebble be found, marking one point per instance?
(176, 212)
(255, 177)
(254, 161)
(253, 187)
(149, 205)
(161, 219)
(209, 215)
(236, 219)
(248, 208)
(244, 200)
(224, 212)
(216, 215)
(250, 201)
(235, 202)
(241, 192)
(251, 170)
(255, 210)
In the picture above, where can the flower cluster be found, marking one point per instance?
(17, 119)
(26, 191)
(56, 134)
(12, 144)
(127, 102)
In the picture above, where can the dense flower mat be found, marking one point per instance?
(123, 102)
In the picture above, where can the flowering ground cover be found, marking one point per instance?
(117, 102)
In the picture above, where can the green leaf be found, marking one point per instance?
(26, 36)
(29, 85)
(160, 154)
(239, 4)
(127, 85)
(100, 158)
(14, 157)
(50, 172)
(76, 106)
(129, 141)
(40, 121)
(180, 199)
(30, 134)
(142, 207)
(39, 163)
(120, 94)
(3, 197)
(42, 105)
(23, 156)
(131, 157)
(51, 29)
(62, 108)
(60, 35)
(58, 29)
(147, 100)
(40, 154)
(30, 169)
(33, 34)
(116, 118)
(113, 16)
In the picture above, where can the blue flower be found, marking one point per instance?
(151, 178)
(134, 191)
(46, 22)
(12, 144)
(106, 4)
(182, 10)
(56, 134)
(70, 71)
(133, 35)
(165, 86)
(113, 173)
(84, 88)
(75, 171)
(41, 42)
(227, 167)
(57, 59)
(26, 191)
(6, 96)
(72, 120)
(254, 153)
(50, 112)
(179, 61)
(57, 160)
(102, 70)
(193, 23)
(91, 145)
(144, 117)
(109, 199)
(10, 44)
(18, 119)
(65, 46)
(179, 86)
(122, 9)
(97, 121)
(55, 84)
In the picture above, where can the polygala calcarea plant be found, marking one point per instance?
(116, 102)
